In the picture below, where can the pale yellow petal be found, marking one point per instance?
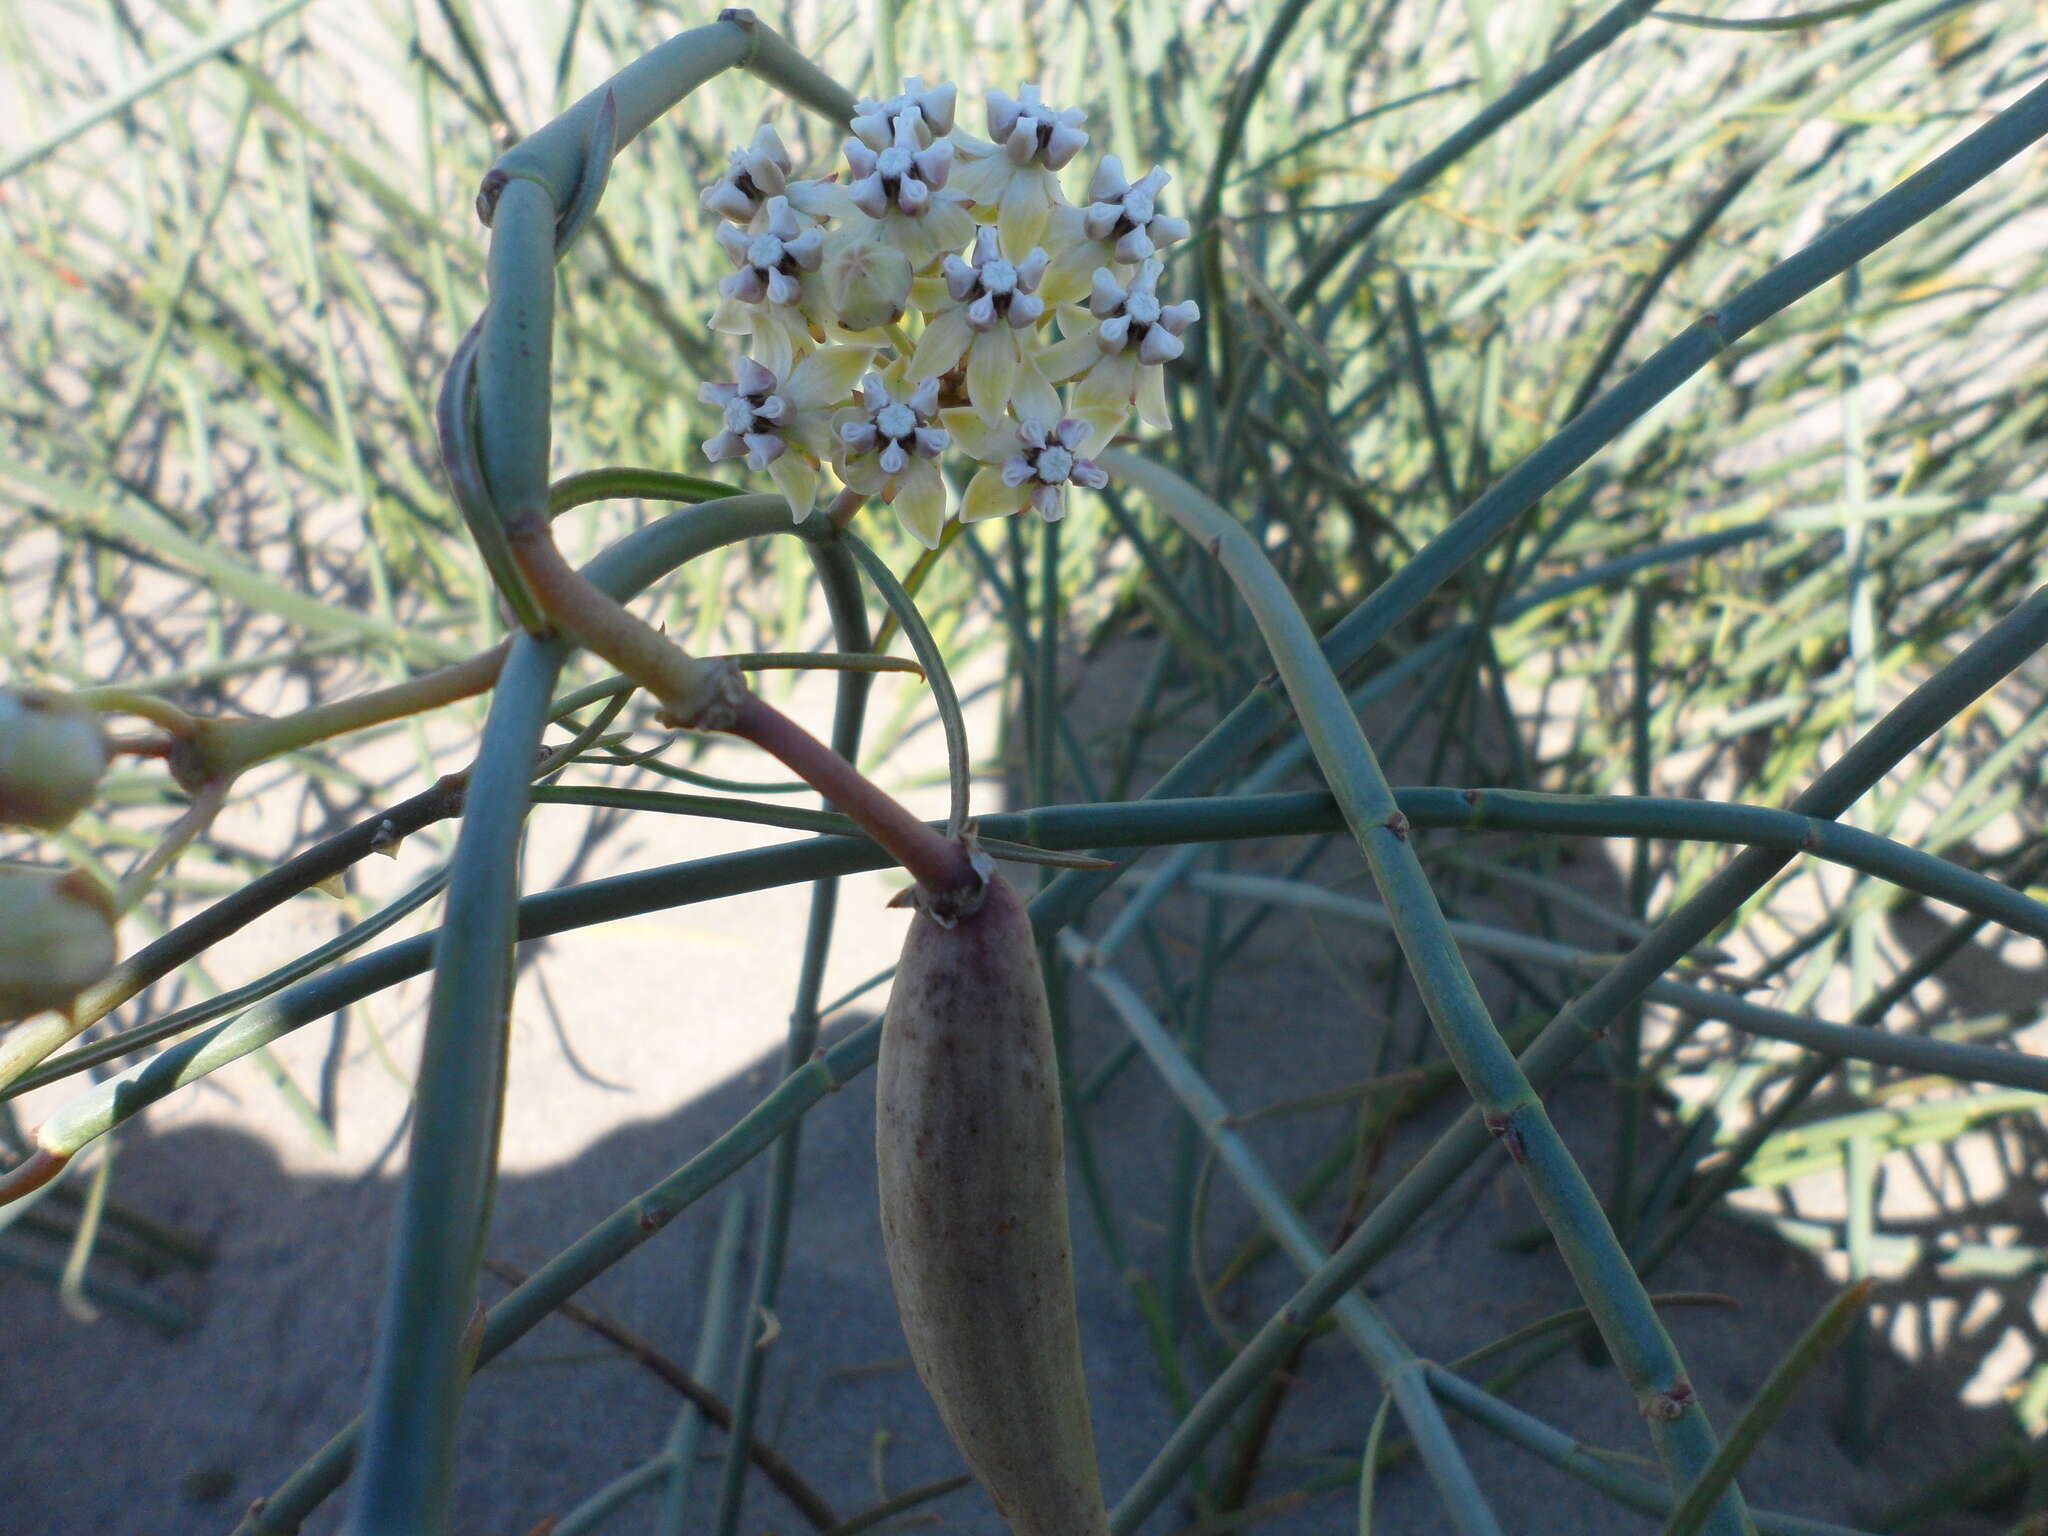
(990, 443)
(798, 481)
(772, 347)
(1066, 358)
(823, 200)
(1108, 386)
(951, 226)
(988, 497)
(826, 376)
(1103, 425)
(981, 181)
(812, 432)
(992, 371)
(921, 502)
(1152, 398)
(732, 318)
(1035, 399)
(863, 474)
(1072, 273)
(1022, 214)
(939, 348)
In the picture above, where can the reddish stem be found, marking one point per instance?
(934, 861)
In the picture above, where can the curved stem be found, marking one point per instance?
(945, 698)
(1389, 1355)
(422, 1363)
(1514, 1112)
(693, 693)
(1153, 823)
(935, 862)
(617, 481)
(704, 695)
(1916, 718)
(228, 747)
(145, 706)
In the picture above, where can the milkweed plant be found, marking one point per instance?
(970, 311)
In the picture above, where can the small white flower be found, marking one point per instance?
(1013, 179)
(758, 175)
(1134, 318)
(1121, 223)
(772, 262)
(767, 299)
(889, 444)
(1138, 335)
(753, 175)
(930, 112)
(901, 175)
(1127, 215)
(1031, 463)
(1030, 132)
(987, 311)
(902, 186)
(784, 428)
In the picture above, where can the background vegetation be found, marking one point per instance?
(1429, 235)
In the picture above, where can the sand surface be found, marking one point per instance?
(634, 1046)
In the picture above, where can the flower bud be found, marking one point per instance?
(51, 757)
(56, 938)
(867, 282)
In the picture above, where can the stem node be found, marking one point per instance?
(1671, 1403)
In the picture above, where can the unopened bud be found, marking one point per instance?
(867, 282)
(56, 938)
(52, 754)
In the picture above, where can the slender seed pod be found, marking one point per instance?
(974, 1212)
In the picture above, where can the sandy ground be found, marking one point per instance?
(637, 1044)
(634, 1046)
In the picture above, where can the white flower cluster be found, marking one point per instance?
(941, 293)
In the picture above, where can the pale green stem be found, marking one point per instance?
(1514, 1113)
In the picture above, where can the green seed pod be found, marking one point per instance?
(56, 938)
(52, 754)
(974, 1213)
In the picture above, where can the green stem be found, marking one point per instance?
(1763, 1412)
(227, 748)
(945, 698)
(1146, 823)
(681, 1449)
(1512, 1111)
(596, 1251)
(836, 570)
(1392, 1360)
(421, 1368)
(1926, 710)
(1588, 1465)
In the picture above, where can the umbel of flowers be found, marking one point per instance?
(939, 293)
